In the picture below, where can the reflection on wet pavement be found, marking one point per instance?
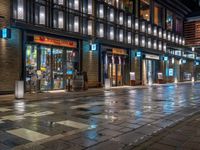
(114, 119)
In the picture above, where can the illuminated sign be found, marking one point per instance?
(171, 72)
(165, 58)
(183, 61)
(138, 54)
(5, 33)
(197, 63)
(150, 56)
(54, 41)
(119, 51)
(93, 47)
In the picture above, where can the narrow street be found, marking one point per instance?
(116, 119)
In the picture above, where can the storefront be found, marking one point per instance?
(150, 69)
(49, 62)
(115, 65)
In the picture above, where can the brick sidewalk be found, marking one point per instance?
(183, 136)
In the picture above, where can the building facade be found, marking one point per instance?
(125, 42)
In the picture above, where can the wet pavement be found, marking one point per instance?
(116, 119)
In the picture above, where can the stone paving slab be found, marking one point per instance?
(124, 117)
(182, 136)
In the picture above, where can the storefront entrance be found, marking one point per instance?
(151, 71)
(47, 67)
(114, 66)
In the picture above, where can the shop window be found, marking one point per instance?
(40, 14)
(31, 67)
(145, 9)
(58, 19)
(18, 9)
(158, 15)
(169, 20)
(90, 27)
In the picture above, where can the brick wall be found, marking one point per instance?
(10, 61)
(10, 53)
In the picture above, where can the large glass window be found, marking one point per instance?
(73, 23)
(74, 4)
(45, 67)
(18, 9)
(90, 27)
(158, 15)
(169, 20)
(145, 9)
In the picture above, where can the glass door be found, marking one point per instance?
(57, 68)
(45, 67)
(31, 68)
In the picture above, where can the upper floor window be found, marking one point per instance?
(88, 6)
(58, 19)
(179, 25)
(59, 2)
(145, 9)
(111, 14)
(169, 20)
(158, 15)
(18, 9)
(74, 4)
(40, 14)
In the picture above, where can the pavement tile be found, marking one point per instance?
(84, 142)
(159, 146)
(109, 145)
(61, 145)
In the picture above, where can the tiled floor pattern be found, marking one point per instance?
(114, 119)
